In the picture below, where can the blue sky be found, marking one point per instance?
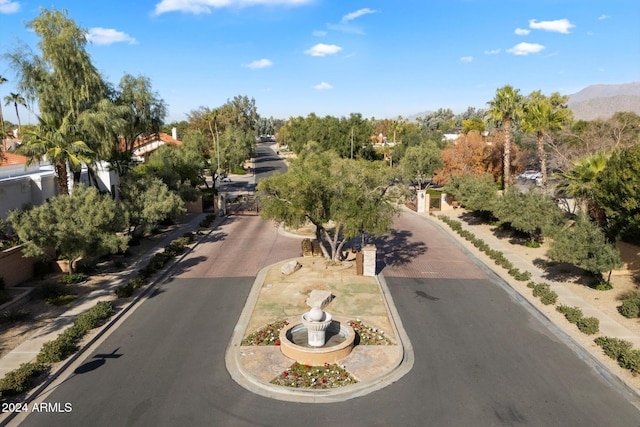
(381, 58)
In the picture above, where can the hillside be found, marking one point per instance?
(602, 101)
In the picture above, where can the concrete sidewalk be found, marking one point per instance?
(29, 349)
(608, 326)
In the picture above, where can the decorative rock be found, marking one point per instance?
(318, 298)
(290, 267)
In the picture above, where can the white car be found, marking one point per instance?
(224, 179)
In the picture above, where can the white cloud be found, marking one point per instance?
(358, 13)
(493, 51)
(522, 31)
(107, 36)
(205, 6)
(322, 49)
(526, 48)
(319, 33)
(559, 26)
(260, 63)
(322, 86)
(603, 17)
(7, 6)
(466, 59)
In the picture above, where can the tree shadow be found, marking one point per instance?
(395, 249)
(186, 265)
(564, 272)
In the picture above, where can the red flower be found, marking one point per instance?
(307, 367)
(324, 380)
(285, 373)
(278, 342)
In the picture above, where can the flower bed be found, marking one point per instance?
(269, 335)
(314, 377)
(368, 335)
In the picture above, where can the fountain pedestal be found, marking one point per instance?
(316, 321)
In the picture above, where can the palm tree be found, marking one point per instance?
(542, 114)
(53, 141)
(579, 183)
(15, 99)
(505, 109)
(2, 81)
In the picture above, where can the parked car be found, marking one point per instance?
(224, 179)
(530, 174)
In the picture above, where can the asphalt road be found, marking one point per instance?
(482, 358)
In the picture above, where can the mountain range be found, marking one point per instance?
(598, 101)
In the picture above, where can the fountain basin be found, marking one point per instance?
(339, 342)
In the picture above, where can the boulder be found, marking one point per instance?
(290, 267)
(318, 298)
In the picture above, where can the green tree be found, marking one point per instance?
(181, 170)
(617, 191)
(53, 141)
(420, 162)
(475, 193)
(147, 201)
(16, 99)
(63, 82)
(532, 213)
(340, 197)
(505, 109)
(585, 245)
(85, 224)
(579, 184)
(541, 115)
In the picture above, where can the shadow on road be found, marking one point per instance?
(99, 360)
(395, 249)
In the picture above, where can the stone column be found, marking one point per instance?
(369, 261)
(423, 201)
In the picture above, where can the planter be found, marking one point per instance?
(64, 265)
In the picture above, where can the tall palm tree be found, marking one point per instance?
(53, 141)
(2, 81)
(505, 109)
(541, 115)
(15, 99)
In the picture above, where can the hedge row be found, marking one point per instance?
(497, 256)
(622, 351)
(587, 325)
(21, 379)
(157, 262)
(544, 292)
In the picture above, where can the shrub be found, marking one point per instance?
(12, 316)
(124, 291)
(68, 279)
(532, 244)
(520, 276)
(544, 292)
(20, 380)
(630, 360)
(572, 314)
(613, 347)
(588, 325)
(57, 350)
(137, 282)
(95, 316)
(630, 304)
(629, 309)
(48, 289)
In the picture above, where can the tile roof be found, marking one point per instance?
(11, 159)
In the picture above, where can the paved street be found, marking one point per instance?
(481, 357)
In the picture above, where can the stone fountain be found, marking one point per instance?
(319, 338)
